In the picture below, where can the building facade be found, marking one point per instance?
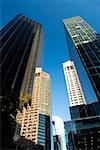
(83, 111)
(20, 50)
(57, 142)
(58, 133)
(86, 42)
(75, 93)
(83, 133)
(35, 119)
(19, 53)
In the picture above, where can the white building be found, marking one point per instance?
(58, 129)
(75, 93)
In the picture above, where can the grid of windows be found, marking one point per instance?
(87, 44)
(73, 85)
(82, 133)
(35, 120)
(79, 30)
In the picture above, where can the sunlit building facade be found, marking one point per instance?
(75, 93)
(35, 119)
(83, 39)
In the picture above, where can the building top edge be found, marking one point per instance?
(68, 62)
(75, 17)
(39, 70)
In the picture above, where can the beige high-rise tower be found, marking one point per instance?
(35, 120)
(74, 88)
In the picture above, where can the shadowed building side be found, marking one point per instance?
(20, 50)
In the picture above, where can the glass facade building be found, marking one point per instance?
(20, 50)
(19, 38)
(83, 39)
(83, 133)
(83, 111)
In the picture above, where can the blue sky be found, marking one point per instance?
(50, 14)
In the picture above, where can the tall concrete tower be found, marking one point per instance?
(35, 120)
(74, 88)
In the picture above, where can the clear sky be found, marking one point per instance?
(50, 14)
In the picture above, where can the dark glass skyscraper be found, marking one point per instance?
(20, 38)
(20, 50)
(86, 41)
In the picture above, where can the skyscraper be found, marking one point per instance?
(35, 120)
(76, 96)
(86, 42)
(21, 41)
(20, 51)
